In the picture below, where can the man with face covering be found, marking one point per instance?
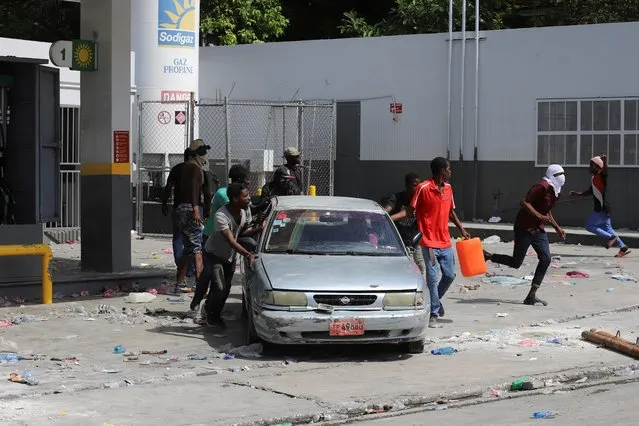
(529, 228)
(196, 198)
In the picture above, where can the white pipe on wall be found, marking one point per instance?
(475, 151)
(450, 72)
(463, 72)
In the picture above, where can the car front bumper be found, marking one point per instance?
(311, 327)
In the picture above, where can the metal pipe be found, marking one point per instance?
(463, 72)
(227, 135)
(450, 72)
(45, 252)
(476, 138)
(138, 186)
(333, 149)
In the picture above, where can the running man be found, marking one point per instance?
(434, 207)
(529, 229)
(599, 220)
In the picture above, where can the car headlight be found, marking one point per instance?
(284, 298)
(403, 300)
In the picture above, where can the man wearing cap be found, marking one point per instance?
(599, 220)
(195, 205)
(291, 171)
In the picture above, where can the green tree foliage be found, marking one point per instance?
(42, 20)
(431, 16)
(227, 22)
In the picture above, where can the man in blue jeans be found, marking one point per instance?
(434, 207)
(599, 220)
(529, 229)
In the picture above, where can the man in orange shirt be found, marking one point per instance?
(434, 207)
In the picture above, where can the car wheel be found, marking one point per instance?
(416, 347)
(244, 309)
(251, 334)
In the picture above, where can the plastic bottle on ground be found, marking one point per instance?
(443, 351)
(544, 415)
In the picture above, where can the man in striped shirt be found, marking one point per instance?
(599, 220)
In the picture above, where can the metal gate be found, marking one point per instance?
(68, 227)
(256, 133)
(253, 133)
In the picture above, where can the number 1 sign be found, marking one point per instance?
(61, 53)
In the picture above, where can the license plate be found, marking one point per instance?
(347, 327)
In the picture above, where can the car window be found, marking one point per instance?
(332, 232)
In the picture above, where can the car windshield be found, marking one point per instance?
(333, 232)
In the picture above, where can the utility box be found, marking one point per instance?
(30, 160)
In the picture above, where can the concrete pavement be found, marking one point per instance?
(86, 383)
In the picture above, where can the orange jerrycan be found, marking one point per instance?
(471, 257)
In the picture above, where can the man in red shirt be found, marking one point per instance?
(434, 207)
(529, 229)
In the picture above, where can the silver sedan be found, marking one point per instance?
(333, 270)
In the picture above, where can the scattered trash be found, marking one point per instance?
(544, 415)
(444, 351)
(582, 380)
(529, 342)
(167, 251)
(493, 239)
(198, 357)
(110, 370)
(84, 293)
(398, 406)
(119, 350)
(9, 358)
(152, 291)
(229, 356)
(162, 352)
(627, 371)
(623, 278)
(5, 323)
(109, 293)
(577, 274)
(180, 299)
(495, 393)
(144, 265)
(494, 219)
(556, 341)
(470, 286)
(519, 384)
(140, 297)
(501, 315)
(505, 280)
(529, 277)
(250, 352)
(25, 378)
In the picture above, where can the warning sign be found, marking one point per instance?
(180, 117)
(164, 117)
(121, 146)
(396, 108)
(175, 96)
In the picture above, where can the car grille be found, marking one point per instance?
(345, 299)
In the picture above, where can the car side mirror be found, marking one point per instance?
(416, 239)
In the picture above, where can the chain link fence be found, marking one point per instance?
(163, 135)
(252, 133)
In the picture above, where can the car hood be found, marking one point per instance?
(340, 273)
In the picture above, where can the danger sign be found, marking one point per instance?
(396, 108)
(180, 117)
(175, 96)
(164, 117)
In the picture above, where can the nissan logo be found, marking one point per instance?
(345, 300)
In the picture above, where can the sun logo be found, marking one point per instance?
(83, 56)
(177, 23)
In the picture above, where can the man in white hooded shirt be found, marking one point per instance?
(529, 228)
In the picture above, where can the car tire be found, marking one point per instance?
(244, 314)
(416, 347)
(251, 334)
